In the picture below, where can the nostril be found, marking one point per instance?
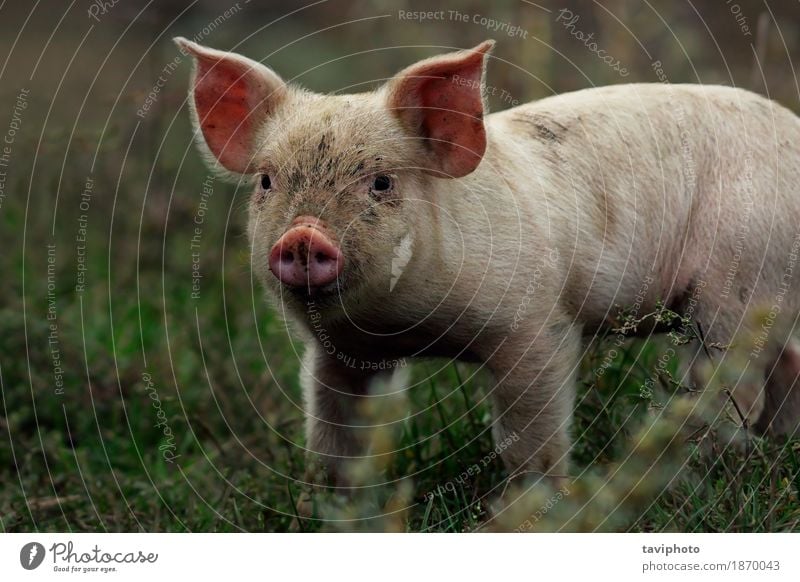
(305, 256)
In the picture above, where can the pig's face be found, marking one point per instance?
(328, 208)
(338, 181)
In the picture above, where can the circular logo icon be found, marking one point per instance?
(31, 555)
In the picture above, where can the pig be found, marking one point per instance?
(407, 222)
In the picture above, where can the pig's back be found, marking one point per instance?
(648, 183)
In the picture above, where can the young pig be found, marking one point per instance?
(406, 222)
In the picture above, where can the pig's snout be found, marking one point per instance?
(305, 256)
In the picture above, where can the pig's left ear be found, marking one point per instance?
(441, 101)
(232, 96)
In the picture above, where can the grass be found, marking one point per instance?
(149, 371)
(223, 372)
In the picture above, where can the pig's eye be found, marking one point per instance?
(266, 183)
(382, 183)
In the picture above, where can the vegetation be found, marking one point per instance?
(146, 385)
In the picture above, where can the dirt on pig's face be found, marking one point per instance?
(344, 162)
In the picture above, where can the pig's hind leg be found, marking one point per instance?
(767, 391)
(781, 414)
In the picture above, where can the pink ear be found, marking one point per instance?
(233, 96)
(441, 100)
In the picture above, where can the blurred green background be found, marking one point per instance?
(150, 373)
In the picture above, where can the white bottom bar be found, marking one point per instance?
(401, 557)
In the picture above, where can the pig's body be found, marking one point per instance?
(643, 192)
(632, 205)
(651, 189)
(586, 204)
(558, 214)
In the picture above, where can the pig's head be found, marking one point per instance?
(338, 180)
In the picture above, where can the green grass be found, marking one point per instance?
(90, 459)
(225, 374)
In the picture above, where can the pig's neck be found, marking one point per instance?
(457, 235)
(477, 240)
(472, 240)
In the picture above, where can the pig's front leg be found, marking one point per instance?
(332, 393)
(533, 400)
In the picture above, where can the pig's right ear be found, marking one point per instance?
(441, 101)
(231, 98)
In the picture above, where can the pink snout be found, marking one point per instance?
(305, 256)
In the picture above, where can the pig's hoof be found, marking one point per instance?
(304, 509)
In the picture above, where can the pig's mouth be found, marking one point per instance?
(311, 293)
(324, 295)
